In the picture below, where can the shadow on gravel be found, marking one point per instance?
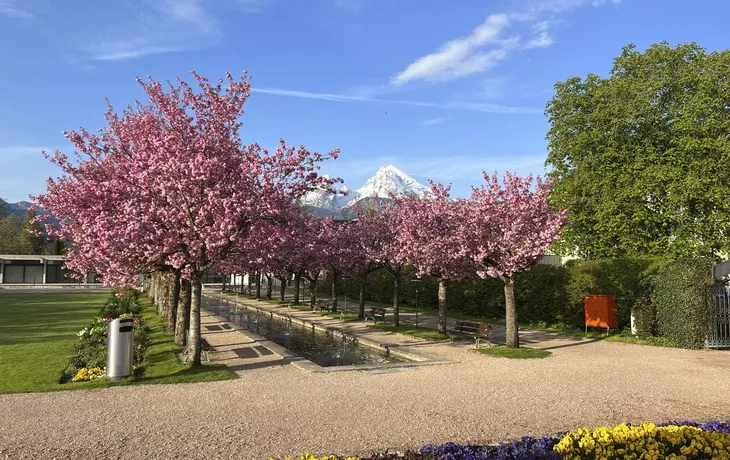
(252, 366)
(582, 342)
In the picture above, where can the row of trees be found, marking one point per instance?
(504, 228)
(169, 188)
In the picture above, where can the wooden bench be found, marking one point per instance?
(375, 314)
(478, 330)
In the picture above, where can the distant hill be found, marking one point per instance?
(15, 209)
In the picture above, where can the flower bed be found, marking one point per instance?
(679, 440)
(89, 361)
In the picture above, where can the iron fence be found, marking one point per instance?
(719, 336)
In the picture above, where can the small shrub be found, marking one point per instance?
(122, 301)
(683, 300)
(646, 441)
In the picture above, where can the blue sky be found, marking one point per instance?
(439, 89)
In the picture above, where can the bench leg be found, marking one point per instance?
(476, 342)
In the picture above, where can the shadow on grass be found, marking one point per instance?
(513, 353)
(421, 332)
(188, 374)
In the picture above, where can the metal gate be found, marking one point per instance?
(719, 336)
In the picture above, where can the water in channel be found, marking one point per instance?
(320, 348)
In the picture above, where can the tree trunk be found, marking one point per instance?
(312, 292)
(361, 307)
(269, 285)
(158, 294)
(188, 306)
(282, 288)
(396, 299)
(166, 297)
(195, 344)
(297, 286)
(223, 289)
(183, 314)
(334, 292)
(174, 301)
(512, 333)
(153, 291)
(443, 284)
(258, 285)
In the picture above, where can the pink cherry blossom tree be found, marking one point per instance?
(386, 251)
(378, 249)
(431, 239)
(340, 251)
(171, 183)
(508, 228)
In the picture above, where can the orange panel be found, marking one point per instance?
(600, 311)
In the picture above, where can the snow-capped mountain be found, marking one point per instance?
(387, 180)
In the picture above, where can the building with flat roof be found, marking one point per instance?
(37, 269)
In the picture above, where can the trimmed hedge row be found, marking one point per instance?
(683, 301)
(669, 298)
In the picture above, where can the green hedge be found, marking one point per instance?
(684, 304)
(625, 278)
(540, 292)
(554, 295)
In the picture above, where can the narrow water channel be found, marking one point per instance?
(320, 348)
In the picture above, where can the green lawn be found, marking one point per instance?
(513, 353)
(422, 332)
(38, 334)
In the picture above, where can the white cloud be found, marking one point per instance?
(494, 88)
(462, 106)
(253, 6)
(459, 57)
(23, 150)
(310, 95)
(455, 167)
(483, 49)
(541, 41)
(13, 9)
(437, 120)
(150, 27)
(122, 50)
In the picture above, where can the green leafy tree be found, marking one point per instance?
(641, 159)
(32, 237)
(10, 232)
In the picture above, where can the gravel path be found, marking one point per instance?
(276, 409)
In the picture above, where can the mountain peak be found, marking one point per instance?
(388, 180)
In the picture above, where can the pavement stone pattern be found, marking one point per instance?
(278, 409)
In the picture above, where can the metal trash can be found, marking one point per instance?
(120, 351)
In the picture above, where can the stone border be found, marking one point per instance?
(303, 363)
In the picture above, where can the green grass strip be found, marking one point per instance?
(513, 353)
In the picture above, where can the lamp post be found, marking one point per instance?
(417, 281)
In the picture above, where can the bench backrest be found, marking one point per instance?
(472, 327)
(377, 311)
